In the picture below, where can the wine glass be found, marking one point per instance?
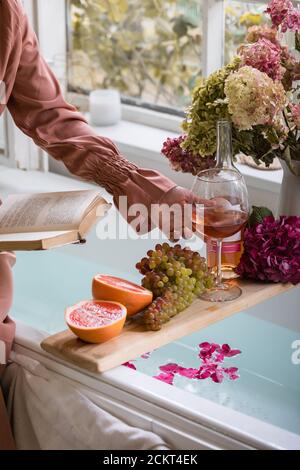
(226, 214)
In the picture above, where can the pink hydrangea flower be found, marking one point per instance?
(291, 21)
(262, 32)
(295, 112)
(278, 10)
(183, 160)
(272, 251)
(265, 56)
(284, 14)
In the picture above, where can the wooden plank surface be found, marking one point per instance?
(134, 340)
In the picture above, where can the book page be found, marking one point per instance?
(31, 236)
(45, 211)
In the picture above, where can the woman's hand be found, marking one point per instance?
(184, 226)
(149, 197)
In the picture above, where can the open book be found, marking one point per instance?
(47, 220)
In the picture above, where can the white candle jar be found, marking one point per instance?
(105, 107)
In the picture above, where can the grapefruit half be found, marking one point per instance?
(134, 297)
(96, 321)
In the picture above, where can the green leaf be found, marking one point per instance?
(258, 214)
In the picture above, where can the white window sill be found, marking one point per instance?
(137, 140)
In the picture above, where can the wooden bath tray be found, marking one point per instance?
(134, 340)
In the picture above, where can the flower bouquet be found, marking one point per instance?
(257, 92)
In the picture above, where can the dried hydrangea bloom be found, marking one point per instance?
(207, 108)
(182, 159)
(262, 32)
(265, 56)
(278, 10)
(272, 251)
(295, 114)
(291, 21)
(253, 98)
(283, 14)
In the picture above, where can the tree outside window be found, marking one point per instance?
(149, 50)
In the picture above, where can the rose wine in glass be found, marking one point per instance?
(228, 211)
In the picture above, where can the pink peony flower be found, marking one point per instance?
(272, 251)
(265, 56)
(183, 160)
(278, 10)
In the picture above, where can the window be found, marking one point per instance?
(150, 50)
(239, 16)
(153, 51)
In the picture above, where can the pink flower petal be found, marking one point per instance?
(205, 345)
(217, 376)
(130, 365)
(146, 355)
(189, 373)
(214, 347)
(172, 368)
(165, 377)
(226, 348)
(219, 357)
(211, 355)
(203, 375)
(234, 352)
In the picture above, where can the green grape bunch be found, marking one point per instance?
(176, 276)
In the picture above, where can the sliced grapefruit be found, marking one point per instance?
(96, 321)
(134, 297)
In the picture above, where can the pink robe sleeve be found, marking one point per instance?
(40, 111)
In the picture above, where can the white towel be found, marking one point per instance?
(47, 413)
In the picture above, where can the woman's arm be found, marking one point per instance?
(40, 111)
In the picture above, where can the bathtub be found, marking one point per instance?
(261, 410)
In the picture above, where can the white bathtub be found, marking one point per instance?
(259, 411)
